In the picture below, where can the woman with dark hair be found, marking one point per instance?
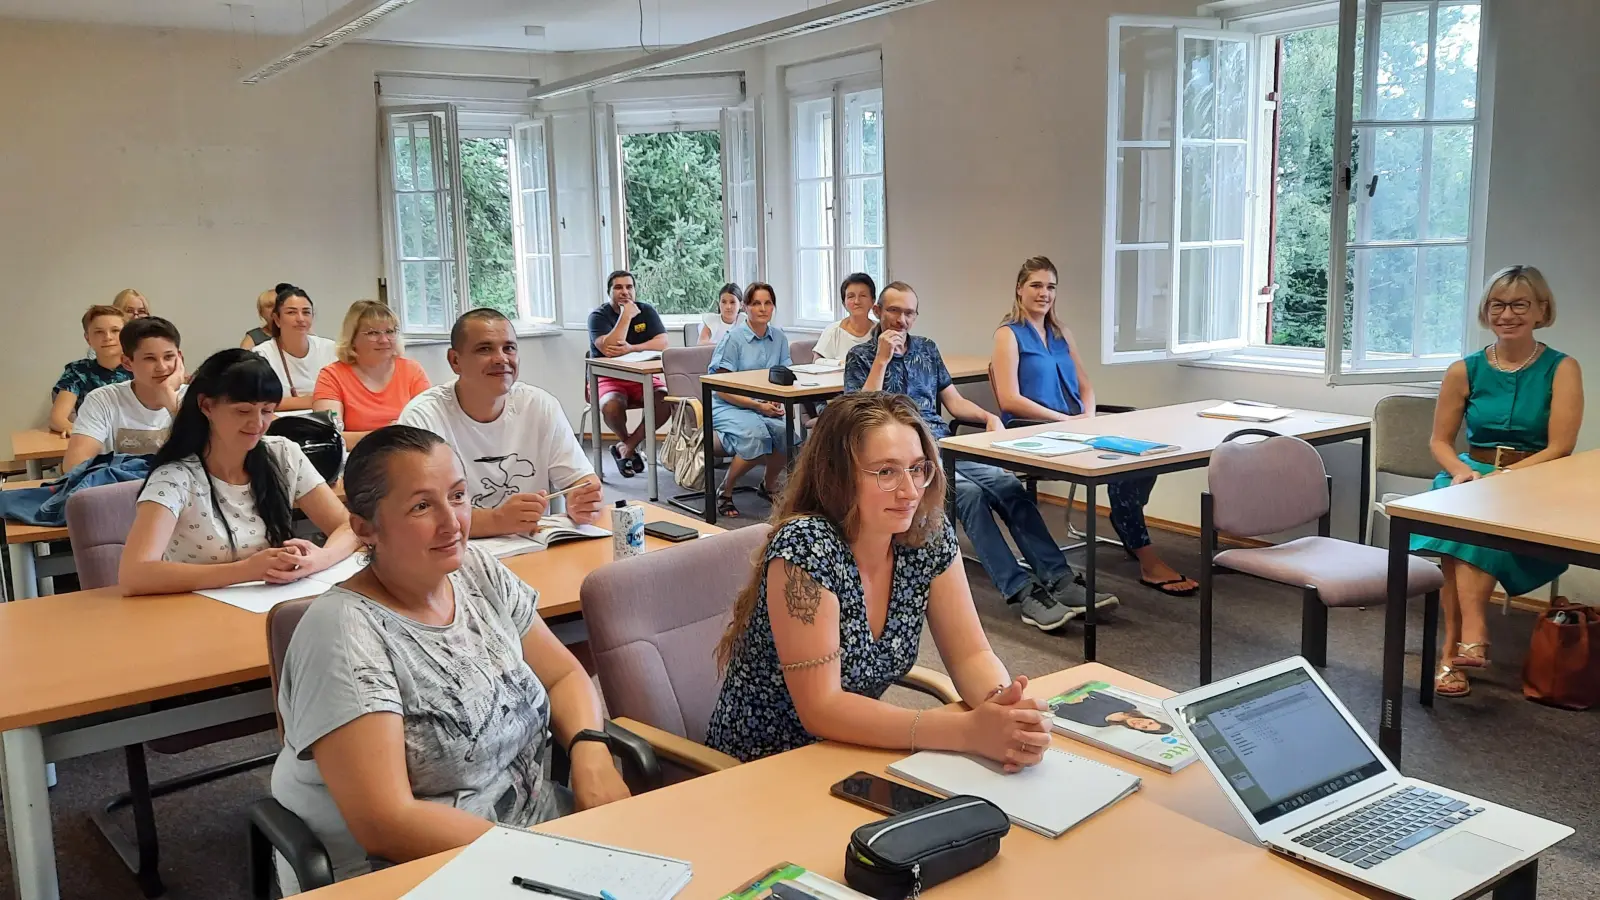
(421, 697)
(858, 293)
(750, 430)
(297, 356)
(861, 556)
(714, 325)
(216, 508)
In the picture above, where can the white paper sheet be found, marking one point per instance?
(483, 871)
(259, 597)
(639, 356)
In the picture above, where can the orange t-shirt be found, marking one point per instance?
(365, 410)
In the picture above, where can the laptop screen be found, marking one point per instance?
(1280, 744)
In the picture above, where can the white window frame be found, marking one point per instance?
(538, 302)
(838, 246)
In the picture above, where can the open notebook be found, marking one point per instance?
(552, 530)
(483, 871)
(1049, 798)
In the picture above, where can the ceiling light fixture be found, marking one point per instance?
(348, 21)
(842, 12)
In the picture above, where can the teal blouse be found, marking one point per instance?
(1510, 409)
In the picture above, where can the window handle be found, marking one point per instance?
(1372, 186)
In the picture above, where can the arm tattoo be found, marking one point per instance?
(802, 594)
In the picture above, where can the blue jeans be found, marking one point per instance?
(1127, 511)
(981, 492)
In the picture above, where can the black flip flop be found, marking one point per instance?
(624, 463)
(1162, 586)
(726, 509)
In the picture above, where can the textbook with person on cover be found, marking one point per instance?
(1120, 721)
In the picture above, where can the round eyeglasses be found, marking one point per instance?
(891, 477)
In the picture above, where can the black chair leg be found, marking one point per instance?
(1314, 628)
(261, 865)
(1430, 646)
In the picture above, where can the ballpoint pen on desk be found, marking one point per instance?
(539, 887)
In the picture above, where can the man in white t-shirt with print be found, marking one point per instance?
(133, 416)
(514, 440)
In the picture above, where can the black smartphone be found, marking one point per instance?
(669, 531)
(881, 794)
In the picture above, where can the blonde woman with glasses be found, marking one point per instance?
(1522, 403)
(370, 382)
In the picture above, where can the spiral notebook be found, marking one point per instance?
(1049, 798)
(484, 869)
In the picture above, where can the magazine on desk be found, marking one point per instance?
(787, 881)
(1120, 721)
(552, 530)
(1111, 443)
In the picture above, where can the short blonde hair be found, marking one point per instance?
(1526, 275)
(265, 301)
(123, 296)
(361, 313)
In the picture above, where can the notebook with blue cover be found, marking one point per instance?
(1112, 443)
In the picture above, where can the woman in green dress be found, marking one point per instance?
(1522, 403)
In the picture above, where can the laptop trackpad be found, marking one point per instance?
(1472, 853)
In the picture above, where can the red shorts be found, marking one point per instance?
(633, 390)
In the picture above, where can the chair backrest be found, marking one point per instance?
(654, 621)
(1266, 486)
(282, 620)
(681, 368)
(1402, 427)
(691, 333)
(98, 522)
(803, 353)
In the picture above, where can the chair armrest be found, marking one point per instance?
(641, 770)
(935, 684)
(293, 838)
(956, 424)
(1024, 422)
(681, 750)
(1112, 408)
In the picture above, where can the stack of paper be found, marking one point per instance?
(483, 871)
(1040, 445)
(259, 597)
(820, 367)
(1049, 798)
(1246, 411)
(639, 356)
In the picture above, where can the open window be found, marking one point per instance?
(425, 239)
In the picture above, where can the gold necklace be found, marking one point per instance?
(1494, 359)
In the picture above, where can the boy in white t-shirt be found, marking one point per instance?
(515, 442)
(133, 416)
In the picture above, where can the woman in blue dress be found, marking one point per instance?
(1522, 404)
(751, 430)
(859, 558)
(1037, 376)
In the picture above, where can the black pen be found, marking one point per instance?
(539, 887)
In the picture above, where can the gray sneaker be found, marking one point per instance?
(1041, 610)
(1071, 594)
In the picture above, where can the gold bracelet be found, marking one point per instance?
(917, 718)
(812, 663)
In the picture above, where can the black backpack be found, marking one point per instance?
(318, 437)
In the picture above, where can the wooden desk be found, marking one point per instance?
(1548, 511)
(1133, 851)
(36, 445)
(754, 384)
(1196, 436)
(642, 373)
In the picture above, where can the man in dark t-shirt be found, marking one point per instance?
(620, 326)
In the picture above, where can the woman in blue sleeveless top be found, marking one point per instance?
(1522, 404)
(1036, 376)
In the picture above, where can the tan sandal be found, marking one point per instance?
(1471, 656)
(1451, 682)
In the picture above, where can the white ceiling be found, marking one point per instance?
(570, 25)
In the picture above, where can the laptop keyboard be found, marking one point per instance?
(1370, 835)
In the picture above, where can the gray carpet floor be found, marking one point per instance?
(1493, 744)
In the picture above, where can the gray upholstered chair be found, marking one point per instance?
(98, 522)
(681, 368)
(1402, 428)
(1277, 484)
(802, 352)
(654, 622)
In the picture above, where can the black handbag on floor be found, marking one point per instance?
(318, 437)
(906, 854)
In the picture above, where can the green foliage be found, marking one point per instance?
(486, 190)
(674, 224)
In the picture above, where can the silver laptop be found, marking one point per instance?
(1310, 783)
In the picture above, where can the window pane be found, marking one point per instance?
(1397, 164)
(868, 261)
(534, 173)
(413, 291)
(403, 150)
(816, 285)
(863, 211)
(1233, 89)
(486, 194)
(536, 271)
(1226, 317)
(1386, 285)
(1450, 183)
(1455, 80)
(1144, 196)
(422, 146)
(1199, 88)
(1232, 191)
(1145, 91)
(536, 221)
(813, 143)
(1194, 296)
(1198, 193)
(863, 139)
(1402, 76)
(1143, 295)
(1444, 300)
(814, 214)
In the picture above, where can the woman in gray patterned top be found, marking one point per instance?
(420, 697)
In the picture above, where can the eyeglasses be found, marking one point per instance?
(387, 333)
(902, 313)
(891, 477)
(1520, 307)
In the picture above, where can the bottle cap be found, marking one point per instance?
(621, 504)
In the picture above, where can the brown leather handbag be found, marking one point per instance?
(1563, 665)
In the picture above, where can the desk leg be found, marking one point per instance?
(708, 441)
(1089, 547)
(24, 574)
(1523, 884)
(1363, 510)
(27, 801)
(788, 433)
(594, 409)
(1394, 640)
(35, 468)
(650, 461)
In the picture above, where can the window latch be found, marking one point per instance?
(1372, 186)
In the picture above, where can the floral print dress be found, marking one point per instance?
(755, 716)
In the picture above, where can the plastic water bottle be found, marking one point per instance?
(627, 530)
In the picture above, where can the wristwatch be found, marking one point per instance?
(588, 734)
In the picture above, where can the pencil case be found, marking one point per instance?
(906, 854)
